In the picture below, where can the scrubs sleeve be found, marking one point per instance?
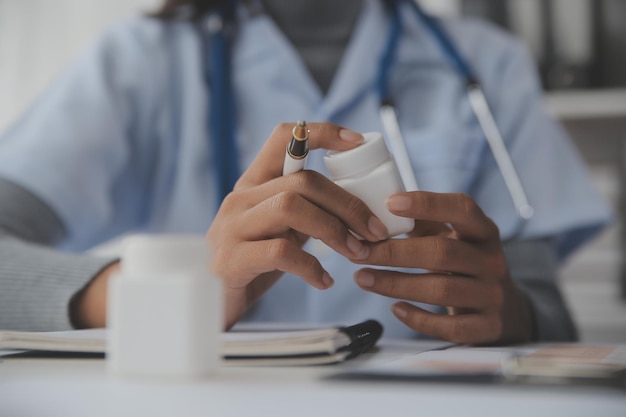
(77, 147)
(535, 269)
(568, 208)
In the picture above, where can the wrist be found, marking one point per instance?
(88, 306)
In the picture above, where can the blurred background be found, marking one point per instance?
(580, 48)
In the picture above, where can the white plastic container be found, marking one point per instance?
(164, 310)
(370, 173)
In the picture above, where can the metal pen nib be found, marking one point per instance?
(299, 146)
(297, 150)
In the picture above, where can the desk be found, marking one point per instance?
(68, 388)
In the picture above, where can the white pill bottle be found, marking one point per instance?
(369, 171)
(164, 310)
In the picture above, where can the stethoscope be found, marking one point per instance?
(222, 124)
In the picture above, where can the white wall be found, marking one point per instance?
(38, 37)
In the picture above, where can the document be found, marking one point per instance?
(554, 363)
(252, 347)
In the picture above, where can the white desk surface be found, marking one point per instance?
(71, 387)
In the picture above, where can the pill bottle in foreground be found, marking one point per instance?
(164, 310)
(370, 173)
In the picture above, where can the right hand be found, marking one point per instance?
(261, 226)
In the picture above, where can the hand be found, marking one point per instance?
(466, 272)
(261, 226)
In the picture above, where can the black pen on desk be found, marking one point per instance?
(297, 150)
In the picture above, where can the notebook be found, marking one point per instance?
(315, 346)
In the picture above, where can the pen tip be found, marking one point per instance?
(300, 131)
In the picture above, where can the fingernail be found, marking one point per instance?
(359, 250)
(327, 280)
(400, 311)
(399, 202)
(377, 228)
(350, 135)
(364, 279)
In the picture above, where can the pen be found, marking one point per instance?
(297, 150)
(363, 336)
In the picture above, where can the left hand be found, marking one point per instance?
(460, 248)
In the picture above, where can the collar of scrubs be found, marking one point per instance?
(276, 53)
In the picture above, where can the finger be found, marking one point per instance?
(428, 228)
(269, 163)
(435, 289)
(459, 210)
(290, 210)
(266, 256)
(433, 253)
(466, 329)
(320, 191)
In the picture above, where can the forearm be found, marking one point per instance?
(534, 268)
(39, 283)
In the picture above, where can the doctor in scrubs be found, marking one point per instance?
(132, 138)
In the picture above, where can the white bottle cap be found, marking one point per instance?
(161, 256)
(372, 152)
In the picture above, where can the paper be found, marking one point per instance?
(449, 363)
(534, 363)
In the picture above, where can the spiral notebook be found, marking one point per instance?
(315, 346)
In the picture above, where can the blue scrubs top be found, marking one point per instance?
(119, 143)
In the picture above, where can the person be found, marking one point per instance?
(123, 143)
